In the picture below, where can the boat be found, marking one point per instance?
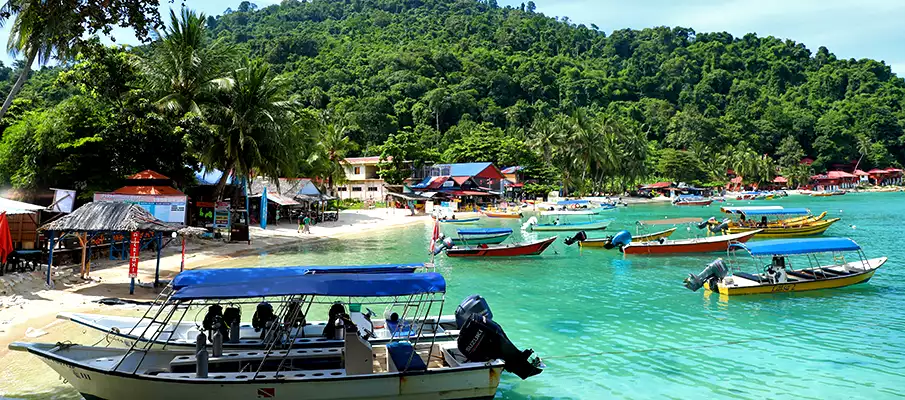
(782, 275)
(688, 200)
(403, 368)
(463, 221)
(603, 242)
(502, 214)
(782, 226)
(481, 236)
(821, 194)
(592, 225)
(509, 250)
(708, 244)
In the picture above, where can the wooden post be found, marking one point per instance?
(50, 257)
(83, 240)
(157, 270)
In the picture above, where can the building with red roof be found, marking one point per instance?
(154, 192)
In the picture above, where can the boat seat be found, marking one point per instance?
(799, 274)
(401, 352)
(242, 376)
(747, 276)
(398, 329)
(833, 273)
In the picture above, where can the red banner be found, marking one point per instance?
(134, 247)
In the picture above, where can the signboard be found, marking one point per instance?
(134, 248)
(164, 208)
(63, 200)
(221, 215)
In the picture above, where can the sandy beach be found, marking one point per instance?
(29, 308)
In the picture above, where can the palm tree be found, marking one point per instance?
(253, 127)
(544, 136)
(41, 30)
(185, 69)
(332, 147)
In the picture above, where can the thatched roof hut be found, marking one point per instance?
(100, 216)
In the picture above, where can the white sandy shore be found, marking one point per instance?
(30, 304)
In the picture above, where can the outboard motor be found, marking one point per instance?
(621, 238)
(714, 272)
(472, 305)
(481, 340)
(579, 237)
(529, 223)
(213, 321)
(720, 227)
(445, 243)
(706, 223)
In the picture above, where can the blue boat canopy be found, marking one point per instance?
(782, 247)
(571, 202)
(483, 231)
(345, 285)
(227, 276)
(781, 211)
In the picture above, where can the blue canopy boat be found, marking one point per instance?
(341, 359)
(233, 275)
(780, 273)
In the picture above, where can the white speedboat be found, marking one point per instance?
(409, 367)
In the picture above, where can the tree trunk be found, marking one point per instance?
(19, 82)
(221, 184)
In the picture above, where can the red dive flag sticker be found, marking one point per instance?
(266, 393)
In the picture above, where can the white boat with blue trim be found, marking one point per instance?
(469, 368)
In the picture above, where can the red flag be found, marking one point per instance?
(6, 239)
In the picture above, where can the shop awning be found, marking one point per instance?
(467, 193)
(278, 199)
(12, 207)
(408, 196)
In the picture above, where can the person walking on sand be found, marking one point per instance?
(307, 223)
(301, 223)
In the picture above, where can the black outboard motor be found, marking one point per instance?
(472, 305)
(579, 237)
(482, 340)
(714, 272)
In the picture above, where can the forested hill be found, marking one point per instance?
(431, 65)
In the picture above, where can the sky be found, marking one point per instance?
(848, 28)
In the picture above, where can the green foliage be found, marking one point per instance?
(400, 153)
(681, 166)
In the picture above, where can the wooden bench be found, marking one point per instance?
(239, 356)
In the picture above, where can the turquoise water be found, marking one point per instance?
(614, 327)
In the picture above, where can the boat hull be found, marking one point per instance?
(803, 286)
(503, 215)
(478, 382)
(705, 245)
(530, 249)
(590, 226)
(460, 221)
(641, 238)
(693, 203)
(810, 229)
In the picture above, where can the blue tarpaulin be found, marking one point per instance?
(783, 247)
(483, 231)
(225, 276)
(352, 285)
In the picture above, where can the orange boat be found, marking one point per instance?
(702, 245)
(493, 214)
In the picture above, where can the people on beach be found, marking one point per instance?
(307, 222)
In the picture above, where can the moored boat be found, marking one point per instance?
(358, 370)
(502, 214)
(509, 250)
(454, 221)
(780, 275)
(481, 236)
(555, 226)
(604, 242)
(708, 244)
(686, 200)
(802, 223)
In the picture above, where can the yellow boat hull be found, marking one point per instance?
(816, 228)
(830, 283)
(643, 238)
(807, 220)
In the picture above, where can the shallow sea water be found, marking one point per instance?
(610, 326)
